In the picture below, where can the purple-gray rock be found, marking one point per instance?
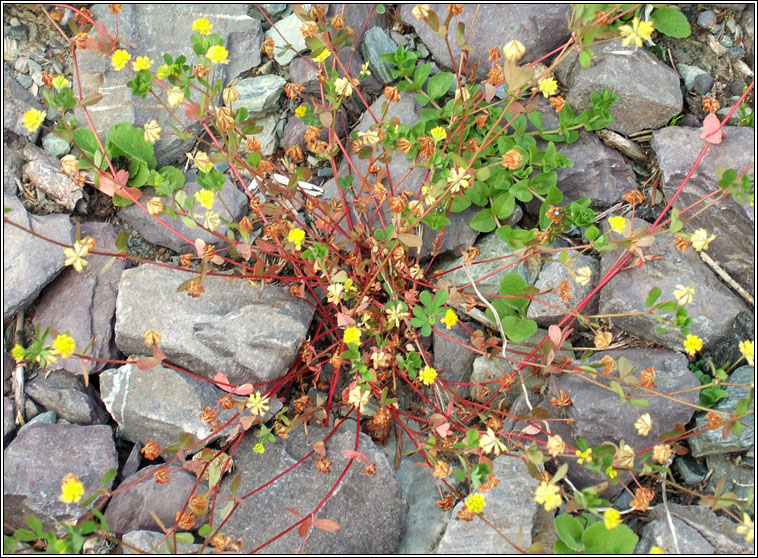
(129, 508)
(12, 163)
(67, 396)
(242, 37)
(151, 542)
(451, 360)
(695, 79)
(30, 263)
(44, 172)
(83, 305)
(647, 89)
(302, 489)
(16, 101)
(39, 457)
(294, 131)
(658, 533)
(9, 419)
(540, 27)
(733, 223)
(252, 334)
(360, 17)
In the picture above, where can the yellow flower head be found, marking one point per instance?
(700, 239)
(585, 455)
(610, 472)
(617, 223)
(17, 353)
(637, 32)
(656, 550)
(218, 54)
(358, 398)
(175, 96)
(202, 26)
(72, 489)
(450, 319)
(64, 345)
(33, 119)
(343, 87)
(683, 295)
(205, 198)
(611, 518)
(142, 63)
(747, 348)
(326, 53)
(692, 344)
(119, 59)
(259, 448)
(514, 50)
(489, 442)
(60, 82)
(548, 495)
(427, 375)
(300, 111)
(644, 424)
(163, 71)
(475, 503)
(746, 528)
(352, 335)
(75, 256)
(257, 404)
(438, 133)
(548, 86)
(152, 131)
(296, 236)
(583, 275)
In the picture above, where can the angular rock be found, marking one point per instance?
(712, 441)
(714, 307)
(691, 471)
(540, 27)
(38, 458)
(259, 94)
(48, 417)
(288, 40)
(267, 136)
(138, 401)
(252, 334)
(733, 223)
(67, 396)
(451, 359)
(739, 473)
(129, 509)
(375, 43)
(303, 488)
(12, 163)
(154, 542)
(294, 131)
(658, 533)
(510, 506)
(9, 419)
(16, 101)
(242, 38)
(55, 146)
(647, 89)
(358, 16)
(83, 305)
(44, 171)
(145, 224)
(695, 79)
(30, 263)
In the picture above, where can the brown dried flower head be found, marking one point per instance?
(151, 450)
(404, 145)
(557, 102)
(647, 378)
(609, 365)
(253, 144)
(230, 94)
(226, 402)
(295, 153)
(512, 159)
(221, 542)
(69, 164)
(633, 197)
(416, 207)
(338, 22)
(200, 71)
(642, 499)
(495, 76)
(245, 224)
(564, 290)
(563, 401)
(308, 28)
(291, 90)
(398, 203)
(392, 94)
(81, 19)
(155, 206)
(681, 244)
(312, 133)
(603, 339)
(185, 520)
(199, 504)
(602, 18)
(426, 147)
(264, 167)
(209, 415)
(555, 214)
(162, 476)
(481, 119)
(715, 420)
(471, 146)
(267, 47)
(324, 465)
(115, 8)
(195, 288)
(711, 104)
(224, 119)
(454, 9)
(494, 55)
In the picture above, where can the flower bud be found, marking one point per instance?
(230, 95)
(514, 50)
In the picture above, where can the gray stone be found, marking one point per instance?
(19, 31)
(30, 263)
(706, 19)
(25, 81)
(304, 72)
(453, 361)
(259, 94)
(733, 223)
(294, 131)
(83, 305)
(690, 470)
(304, 487)
(48, 417)
(16, 101)
(647, 89)
(12, 163)
(154, 232)
(375, 43)
(9, 419)
(44, 171)
(658, 533)
(714, 307)
(129, 508)
(155, 542)
(55, 146)
(267, 136)
(138, 403)
(288, 40)
(39, 457)
(67, 396)
(133, 462)
(252, 334)
(360, 17)
(695, 79)
(739, 474)
(712, 441)
(540, 27)
(242, 37)
(273, 9)
(510, 507)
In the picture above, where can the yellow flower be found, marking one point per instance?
(462, 93)
(76, 255)
(218, 54)
(548, 86)
(259, 448)
(371, 137)
(611, 518)
(555, 445)
(438, 134)
(349, 287)
(296, 236)
(64, 345)
(549, 495)
(514, 50)
(343, 87)
(585, 455)
(358, 398)
(450, 319)
(17, 353)
(175, 96)
(420, 11)
(636, 32)
(152, 131)
(257, 404)
(326, 53)
(746, 528)
(700, 239)
(142, 63)
(119, 59)
(395, 314)
(300, 111)
(334, 293)
(206, 198)
(352, 335)
(683, 295)
(202, 26)
(211, 219)
(33, 119)
(644, 424)
(163, 71)
(427, 375)
(489, 442)
(201, 161)
(365, 72)
(458, 180)
(60, 82)
(72, 489)
(610, 472)
(692, 344)
(583, 275)
(747, 348)
(656, 550)
(475, 503)
(617, 223)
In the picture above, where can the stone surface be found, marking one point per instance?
(12, 163)
(259, 94)
(286, 35)
(242, 38)
(230, 197)
(647, 89)
(375, 43)
(658, 533)
(35, 417)
(305, 72)
(66, 395)
(714, 306)
(39, 457)
(540, 27)
(294, 131)
(451, 360)
(30, 263)
(253, 335)
(696, 79)
(712, 441)
(129, 509)
(44, 172)
(83, 305)
(138, 401)
(55, 146)
(510, 507)
(360, 17)
(154, 542)
(733, 223)
(304, 487)
(691, 471)
(9, 419)
(16, 101)
(739, 473)
(268, 136)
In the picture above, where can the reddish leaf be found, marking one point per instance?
(223, 382)
(303, 528)
(712, 132)
(554, 332)
(343, 320)
(108, 185)
(192, 110)
(158, 355)
(352, 454)
(246, 421)
(320, 449)
(131, 194)
(489, 91)
(293, 512)
(443, 429)
(326, 525)
(146, 363)
(245, 250)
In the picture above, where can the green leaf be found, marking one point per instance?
(640, 403)
(669, 306)
(517, 329)
(185, 538)
(570, 531)
(535, 117)
(671, 22)
(124, 139)
(108, 477)
(422, 72)
(483, 221)
(85, 140)
(503, 205)
(512, 284)
(585, 58)
(652, 296)
(380, 8)
(205, 530)
(598, 540)
(591, 233)
(439, 84)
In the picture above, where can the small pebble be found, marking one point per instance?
(326, 172)
(727, 41)
(34, 67)
(22, 65)
(736, 52)
(57, 147)
(37, 78)
(702, 84)
(25, 81)
(706, 19)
